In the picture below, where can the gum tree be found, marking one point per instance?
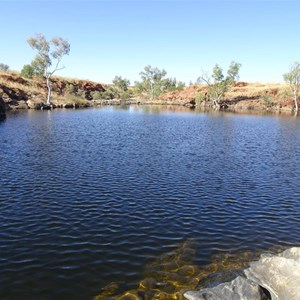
(152, 81)
(50, 54)
(218, 84)
(293, 79)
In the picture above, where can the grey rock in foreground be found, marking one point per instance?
(239, 289)
(278, 274)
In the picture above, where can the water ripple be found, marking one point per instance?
(89, 197)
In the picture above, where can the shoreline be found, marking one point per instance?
(18, 93)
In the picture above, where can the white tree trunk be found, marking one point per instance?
(296, 100)
(49, 90)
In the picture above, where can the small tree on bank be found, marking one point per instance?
(293, 79)
(49, 52)
(218, 84)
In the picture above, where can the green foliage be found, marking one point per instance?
(121, 84)
(171, 84)
(267, 100)
(120, 89)
(48, 52)
(96, 95)
(108, 94)
(4, 67)
(27, 71)
(200, 97)
(218, 84)
(180, 85)
(31, 70)
(293, 76)
(154, 83)
(71, 89)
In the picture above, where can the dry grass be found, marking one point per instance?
(30, 88)
(257, 89)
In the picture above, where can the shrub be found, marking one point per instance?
(71, 89)
(96, 95)
(27, 71)
(199, 98)
(267, 100)
(4, 67)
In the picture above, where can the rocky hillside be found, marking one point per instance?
(17, 92)
(243, 96)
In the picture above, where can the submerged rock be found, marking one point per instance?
(275, 277)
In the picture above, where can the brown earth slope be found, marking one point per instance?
(243, 96)
(18, 92)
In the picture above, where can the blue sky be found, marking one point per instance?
(110, 38)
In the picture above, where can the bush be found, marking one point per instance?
(108, 94)
(267, 100)
(96, 95)
(71, 89)
(124, 95)
(199, 98)
(27, 71)
(4, 67)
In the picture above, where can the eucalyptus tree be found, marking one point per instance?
(293, 79)
(218, 84)
(153, 82)
(50, 54)
(121, 83)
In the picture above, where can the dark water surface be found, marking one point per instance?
(90, 196)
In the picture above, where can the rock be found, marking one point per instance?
(279, 274)
(35, 103)
(2, 109)
(275, 277)
(239, 289)
(241, 84)
(22, 105)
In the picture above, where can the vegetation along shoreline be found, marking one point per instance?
(17, 92)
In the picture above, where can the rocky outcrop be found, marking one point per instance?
(239, 289)
(2, 109)
(19, 93)
(274, 277)
(279, 274)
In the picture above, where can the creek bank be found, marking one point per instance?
(21, 93)
(274, 277)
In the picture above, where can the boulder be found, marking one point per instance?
(35, 103)
(2, 109)
(239, 289)
(275, 277)
(279, 274)
(21, 105)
